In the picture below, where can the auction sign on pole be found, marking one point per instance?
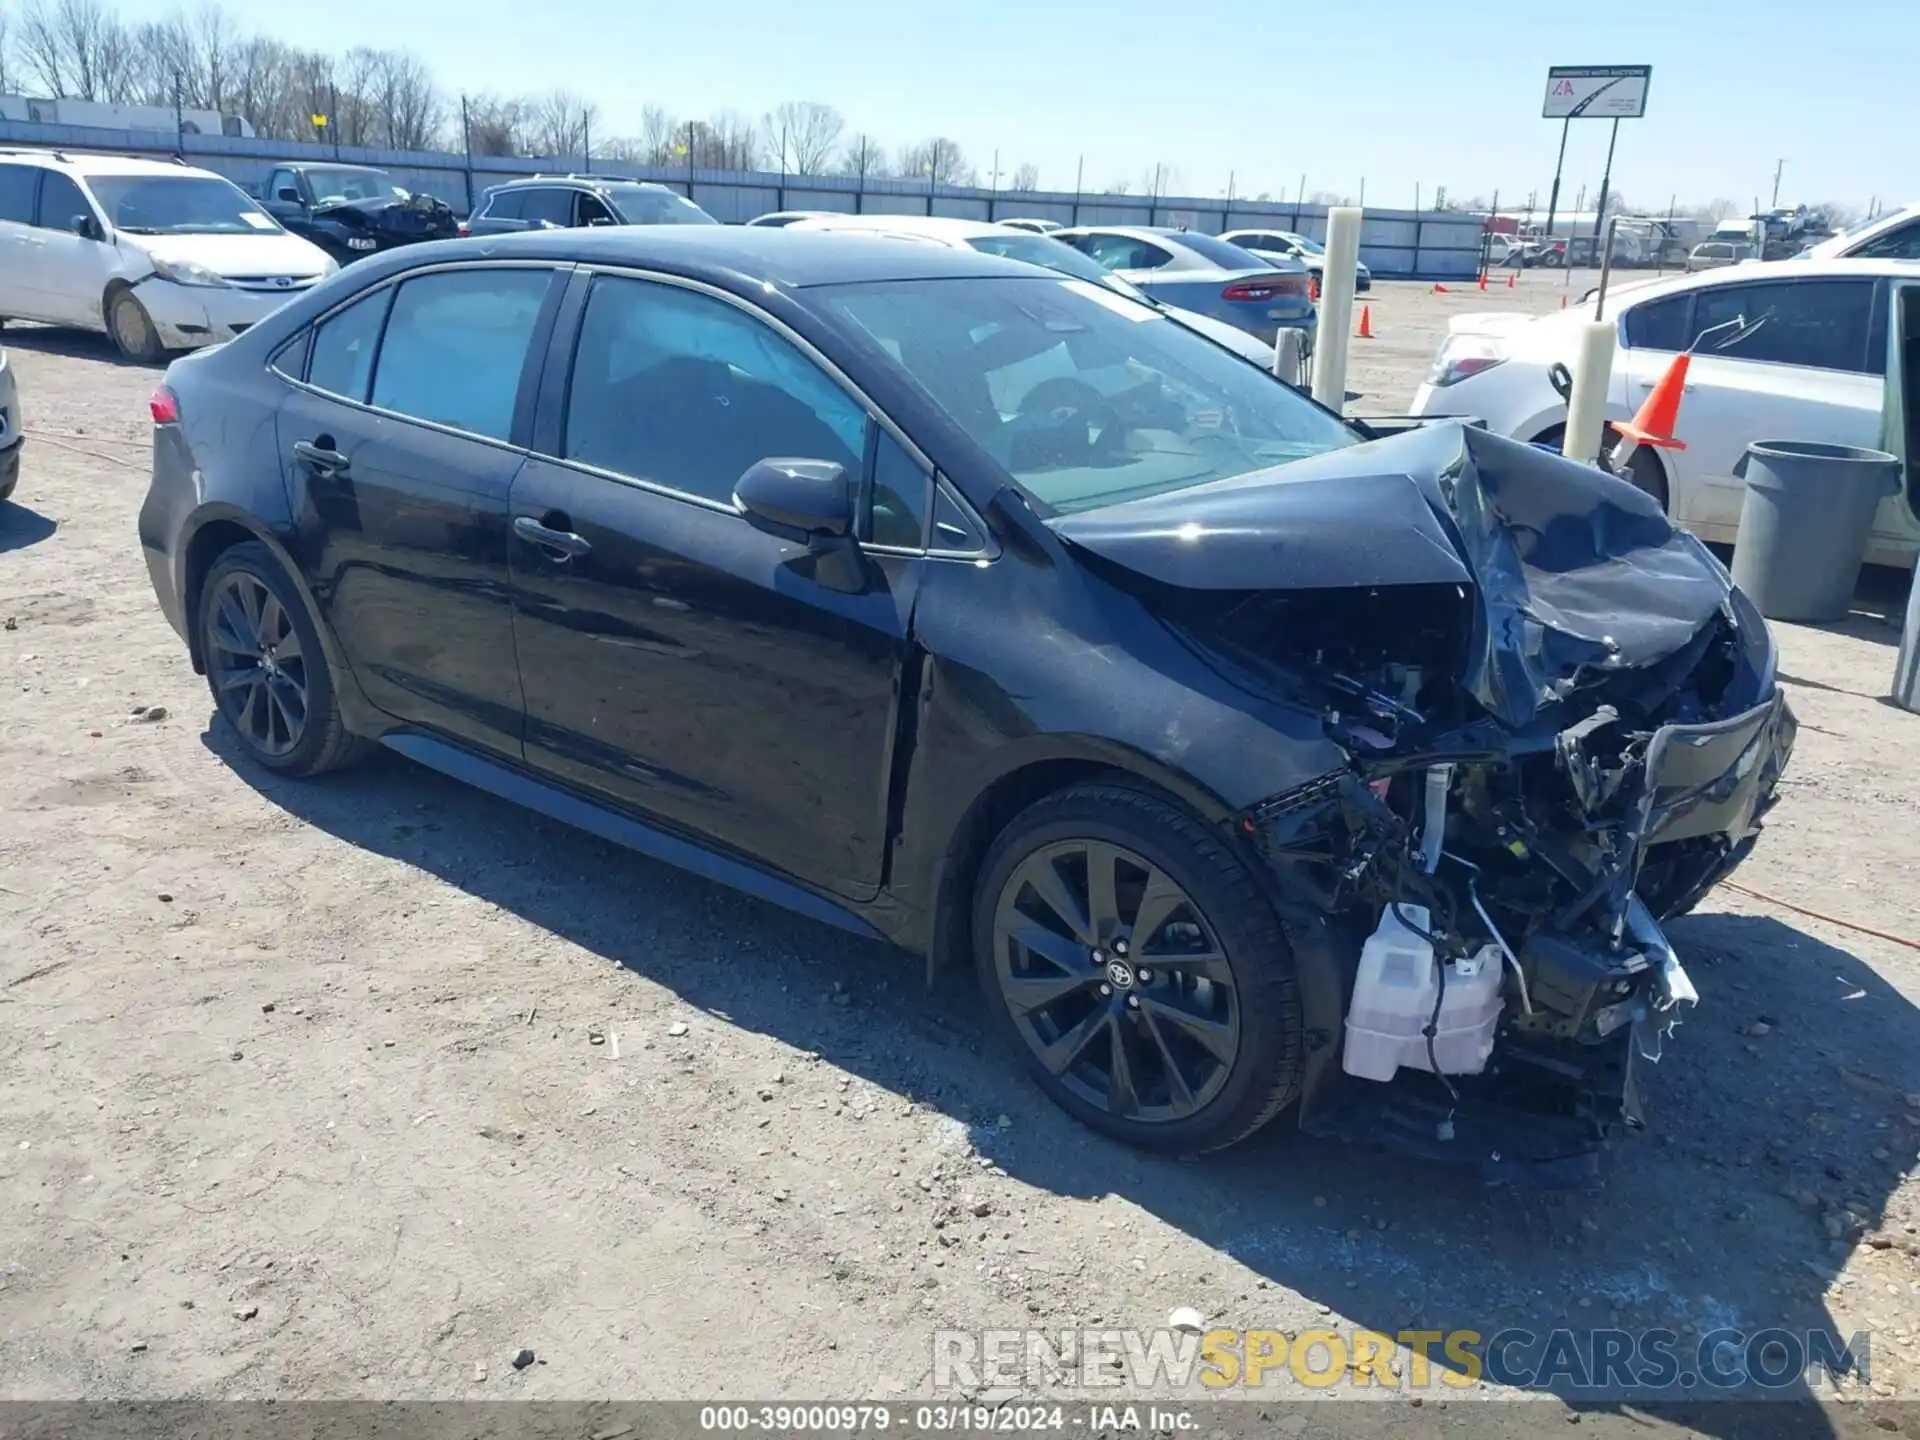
(1592, 92)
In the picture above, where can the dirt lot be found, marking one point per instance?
(355, 1088)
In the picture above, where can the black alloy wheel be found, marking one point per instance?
(267, 668)
(256, 666)
(1151, 990)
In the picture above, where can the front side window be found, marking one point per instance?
(593, 211)
(456, 344)
(179, 205)
(687, 392)
(282, 186)
(343, 345)
(61, 203)
(549, 204)
(1821, 324)
(644, 205)
(1900, 243)
(16, 192)
(1082, 396)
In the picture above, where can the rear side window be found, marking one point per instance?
(503, 205)
(553, 206)
(343, 345)
(16, 192)
(1122, 252)
(1660, 324)
(1223, 253)
(1821, 324)
(455, 345)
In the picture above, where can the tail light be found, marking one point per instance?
(1257, 290)
(1462, 356)
(166, 409)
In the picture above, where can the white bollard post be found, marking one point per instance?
(1336, 308)
(1587, 408)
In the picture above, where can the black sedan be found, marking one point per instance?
(352, 211)
(1251, 761)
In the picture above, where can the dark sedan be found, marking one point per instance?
(985, 611)
(352, 211)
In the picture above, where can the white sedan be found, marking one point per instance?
(1829, 351)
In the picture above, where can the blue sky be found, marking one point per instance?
(1400, 92)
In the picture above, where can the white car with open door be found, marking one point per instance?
(1827, 350)
(159, 256)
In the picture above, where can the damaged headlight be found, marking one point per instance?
(1465, 355)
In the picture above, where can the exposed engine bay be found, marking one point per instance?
(1548, 756)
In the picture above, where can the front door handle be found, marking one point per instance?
(320, 456)
(563, 544)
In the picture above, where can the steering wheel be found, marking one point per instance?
(1065, 421)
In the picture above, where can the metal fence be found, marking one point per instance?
(1414, 244)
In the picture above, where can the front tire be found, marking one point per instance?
(132, 329)
(1136, 965)
(267, 669)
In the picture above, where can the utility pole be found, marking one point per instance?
(1778, 166)
(1553, 195)
(1606, 180)
(466, 144)
(1079, 179)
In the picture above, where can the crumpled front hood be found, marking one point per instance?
(1575, 572)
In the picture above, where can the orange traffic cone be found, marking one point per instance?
(1366, 322)
(1441, 290)
(1661, 411)
(1313, 288)
(1483, 279)
(1512, 275)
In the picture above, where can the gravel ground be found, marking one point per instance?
(353, 1089)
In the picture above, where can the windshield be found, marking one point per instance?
(1223, 253)
(1051, 254)
(1084, 397)
(642, 205)
(178, 205)
(338, 187)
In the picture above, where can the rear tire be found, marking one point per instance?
(267, 669)
(1176, 1031)
(132, 329)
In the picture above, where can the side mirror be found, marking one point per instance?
(287, 193)
(85, 226)
(797, 499)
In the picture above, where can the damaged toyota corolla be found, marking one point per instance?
(1253, 760)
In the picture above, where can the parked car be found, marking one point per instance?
(780, 219)
(1893, 236)
(1204, 274)
(1033, 249)
(1288, 245)
(1037, 226)
(980, 609)
(160, 257)
(1713, 254)
(1812, 363)
(13, 438)
(353, 210)
(562, 202)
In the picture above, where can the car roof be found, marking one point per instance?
(327, 165)
(934, 227)
(104, 164)
(1166, 232)
(1812, 269)
(581, 182)
(756, 254)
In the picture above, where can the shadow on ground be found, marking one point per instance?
(21, 526)
(78, 344)
(1776, 1116)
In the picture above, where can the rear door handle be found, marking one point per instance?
(320, 456)
(563, 544)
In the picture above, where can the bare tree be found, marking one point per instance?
(1120, 187)
(496, 126)
(6, 52)
(407, 108)
(864, 155)
(938, 159)
(663, 139)
(560, 123)
(1027, 177)
(806, 133)
(77, 50)
(726, 142)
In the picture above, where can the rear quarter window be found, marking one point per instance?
(1660, 324)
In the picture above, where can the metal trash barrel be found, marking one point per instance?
(1805, 522)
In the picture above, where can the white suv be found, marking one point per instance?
(161, 257)
(1829, 351)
